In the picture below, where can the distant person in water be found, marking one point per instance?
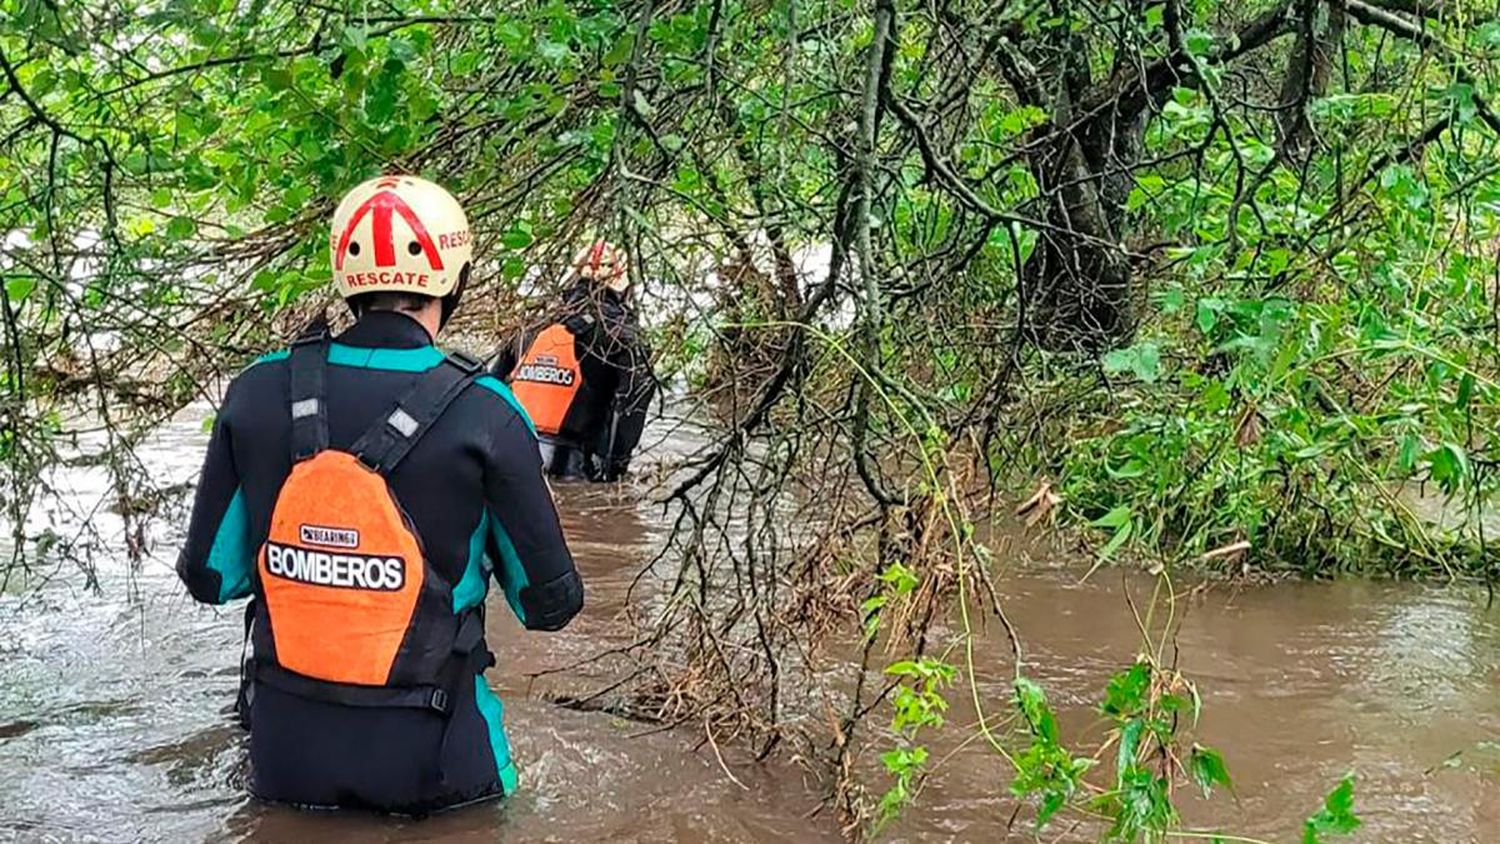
(362, 490)
(584, 375)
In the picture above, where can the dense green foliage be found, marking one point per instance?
(1295, 377)
(1312, 279)
(1225, 273)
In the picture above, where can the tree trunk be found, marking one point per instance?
(1078, 278)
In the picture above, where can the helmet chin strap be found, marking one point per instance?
(450, 302)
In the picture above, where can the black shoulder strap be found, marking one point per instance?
(309, 406)
(396, 433)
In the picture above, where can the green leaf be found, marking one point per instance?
(1051, 804)
(1411, 449)
(1133, 468)
(1357, 106)
(1461, 94)
(1120, 537)
(552, 51)
(1130, 744)
(277, 77)
(42, 83)
(1117, 517)
(1126, 693)
(516, 238)
(516, 40)
(181, 228)
(1489, 34)
(19, 287)
(1207, 769)
(1173, 300)
(1197, 42)
(1143, 360)
(1033, 703)
(1337, 815)
(1122, 520)
(1284, 360)
(1208, 314)
(1449, 465)
(621, 51)
(466, 62)
(870, 609)
(901, 761)
(900, 578)
(355, 37)
(1401, 183)
(1465, 392)
(1020, 119)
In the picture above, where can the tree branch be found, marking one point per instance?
(1135, 93)
(874, 98)
(1420, 8)
(291, 53)
(1410, 30)
(34, 107)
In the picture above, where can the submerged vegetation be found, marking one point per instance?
(1217, 281)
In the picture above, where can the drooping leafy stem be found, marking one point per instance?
(1151, 710)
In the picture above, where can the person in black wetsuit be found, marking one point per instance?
(366, 683)
(585, 375)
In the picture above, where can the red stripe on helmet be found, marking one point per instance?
(596, 256)
(383, 203)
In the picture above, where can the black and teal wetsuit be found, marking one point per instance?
(474, 492)
(603, 426)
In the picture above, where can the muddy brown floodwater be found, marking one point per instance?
(114, 725)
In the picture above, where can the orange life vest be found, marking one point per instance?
(357, 614)
(341, 571)
(547, 378)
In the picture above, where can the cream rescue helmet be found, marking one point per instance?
(400, 234)
(604, 263)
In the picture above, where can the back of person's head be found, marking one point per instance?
(605, 265)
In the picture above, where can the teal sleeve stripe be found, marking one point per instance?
(496, 386)
(471, 589)
(419, 359)
(230, 554)
(493, 713)
(512, 574)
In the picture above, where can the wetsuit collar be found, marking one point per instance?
(386, 330)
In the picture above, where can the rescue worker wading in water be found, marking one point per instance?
(585, 376)
(363, 490)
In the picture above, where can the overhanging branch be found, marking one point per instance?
(1427, 40)
(1135, 93)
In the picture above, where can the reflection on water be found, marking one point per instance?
(114, 724)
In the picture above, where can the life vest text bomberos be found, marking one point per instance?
(307, 565)
(547, 378)
(356, 613)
